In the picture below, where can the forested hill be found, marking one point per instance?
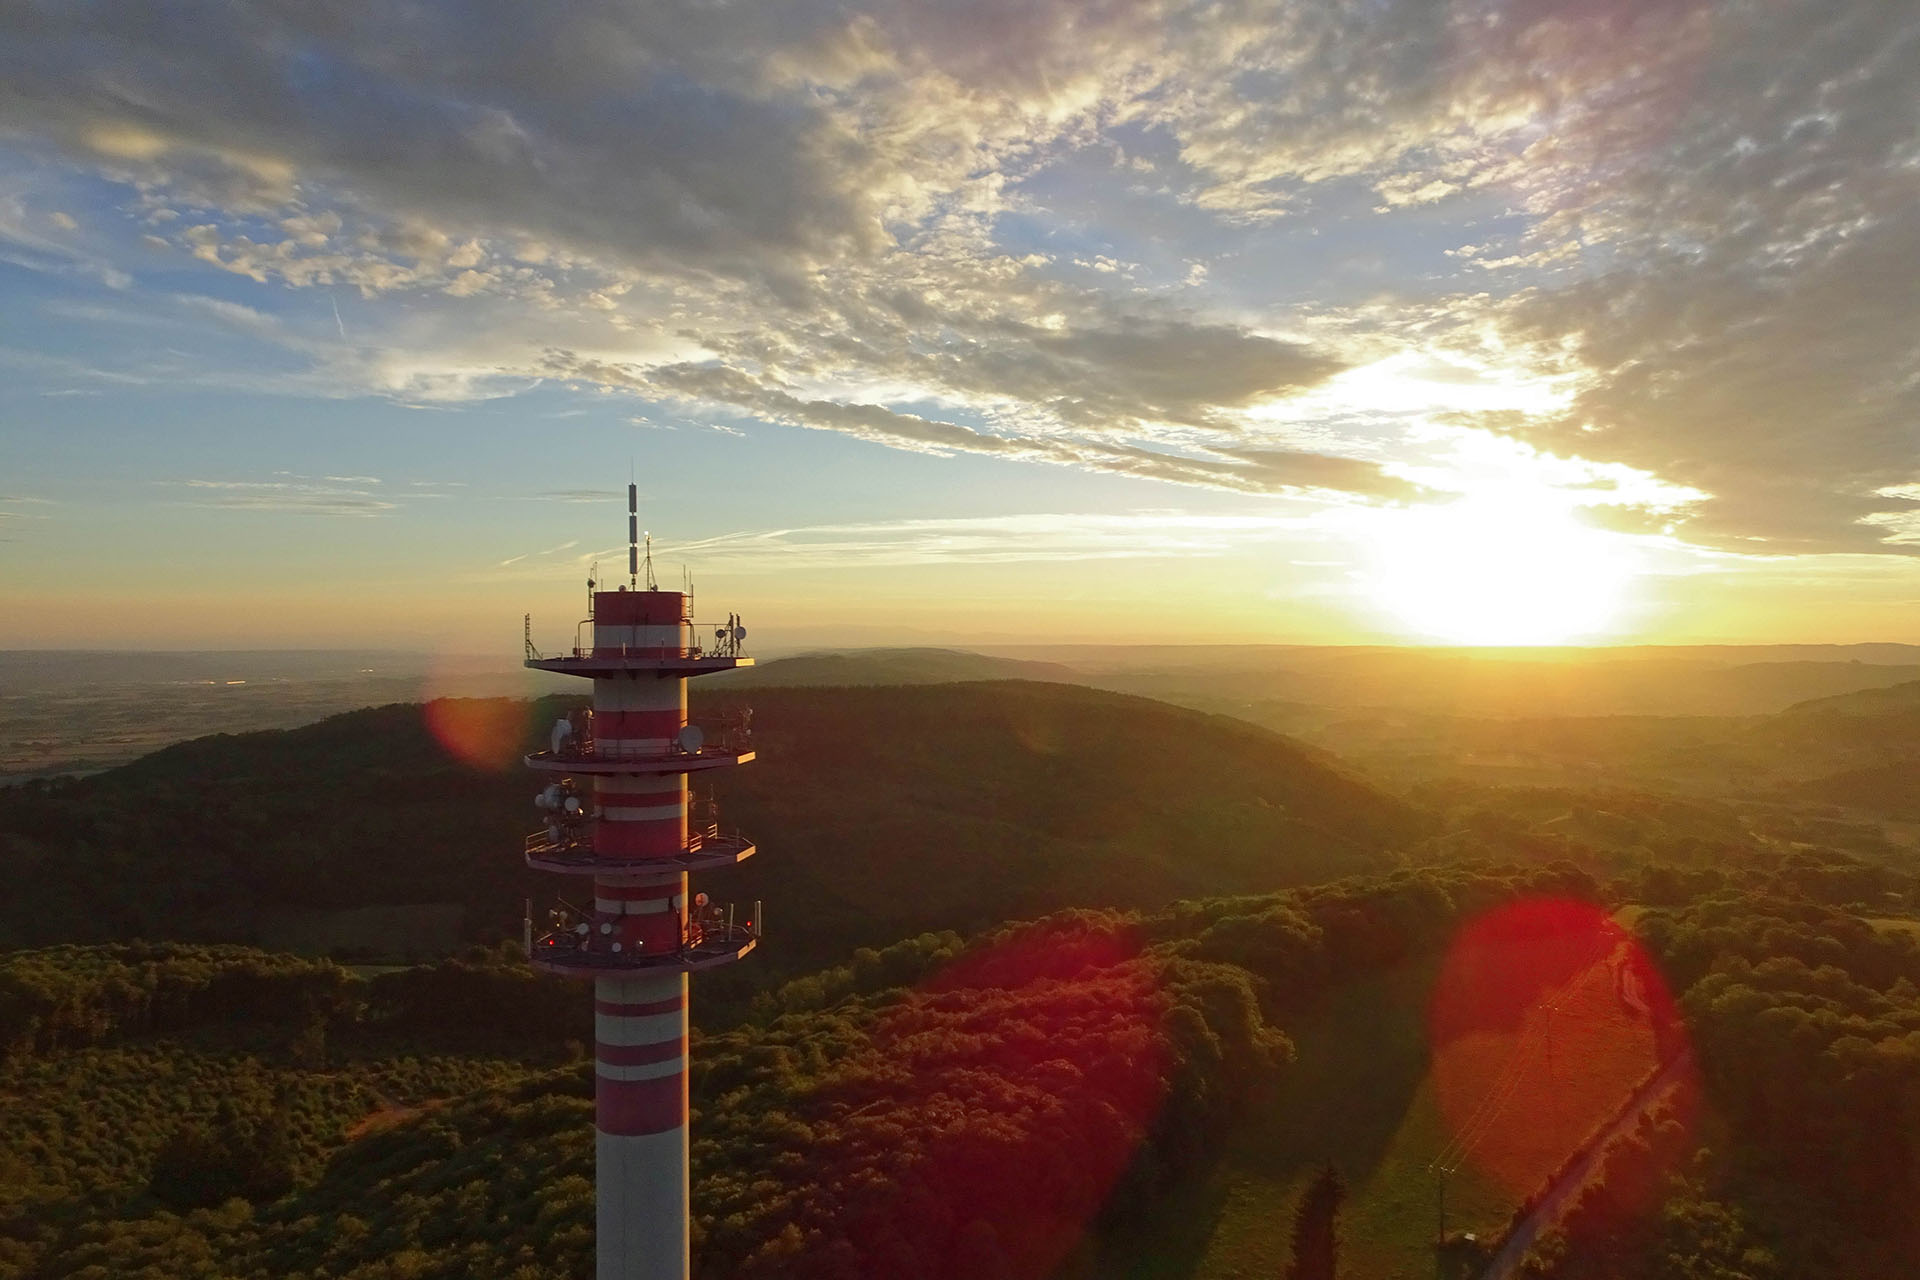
(879, 811)
(1891, 700)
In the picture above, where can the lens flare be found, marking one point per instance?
(466, 712)
(1550, 1026)
(1005, 1098)
(486, 733)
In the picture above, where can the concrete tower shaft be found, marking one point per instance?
(640, 1136)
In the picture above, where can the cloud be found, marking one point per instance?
(287, 493)
(578, 495)
(538, 555)
(302, 504)
(1746, 323)
(1239, 470)
(1145, 534)
(1178, 240)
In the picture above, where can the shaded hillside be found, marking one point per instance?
(895, 666)
(881, 811)
(1891, 700)
(1889, 789)
(952, 806)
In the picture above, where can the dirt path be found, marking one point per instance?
(1562, 1194)
(387, 1114)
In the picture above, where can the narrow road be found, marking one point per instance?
(1561, 1195)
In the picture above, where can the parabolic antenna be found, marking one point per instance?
(739, 633)
(691, 739)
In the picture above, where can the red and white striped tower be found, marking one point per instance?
(643, 935)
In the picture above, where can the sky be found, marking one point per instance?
(1487, 321)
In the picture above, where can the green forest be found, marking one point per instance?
(1038, 1019)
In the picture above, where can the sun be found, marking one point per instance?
(1502, 568)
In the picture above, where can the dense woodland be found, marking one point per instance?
(973, 1101)
(942, 1107)
(938, 1107)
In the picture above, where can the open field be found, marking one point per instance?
(83, 712)
(1367, 1093)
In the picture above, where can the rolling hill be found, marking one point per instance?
(880, 812)
(1889, 700)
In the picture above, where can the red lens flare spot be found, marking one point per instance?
(1004, 1099)
(1550, 1028)
(487, 733)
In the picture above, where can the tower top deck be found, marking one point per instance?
(651, 630)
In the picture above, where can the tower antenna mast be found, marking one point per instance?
(633, 537)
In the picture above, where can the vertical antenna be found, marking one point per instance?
(633, 535)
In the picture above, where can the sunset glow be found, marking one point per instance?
(970, 329)
(1512, 570)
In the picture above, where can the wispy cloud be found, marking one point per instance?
(304, 504)
(287, 493)
(577, 495)
(538, 555)
(1137, 535)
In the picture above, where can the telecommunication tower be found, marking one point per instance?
(618, 817)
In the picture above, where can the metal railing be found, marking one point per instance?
(579, 843)
(708, 932)
(726, 738)
(726, 642)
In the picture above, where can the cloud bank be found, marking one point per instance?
(1158, 238)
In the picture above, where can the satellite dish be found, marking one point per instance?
(739, 633)
(573, 804)
(691, 739)
(719, 633)
(699, 899)
(562, 733)
(548, 799)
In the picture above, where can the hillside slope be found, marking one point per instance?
(952, 806)
(1890, 700)
(880, 812)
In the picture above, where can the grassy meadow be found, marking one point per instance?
(1367, 1092)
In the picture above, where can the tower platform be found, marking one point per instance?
(553, 954)
(599, 662)
(587, 760)
(576, 857)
